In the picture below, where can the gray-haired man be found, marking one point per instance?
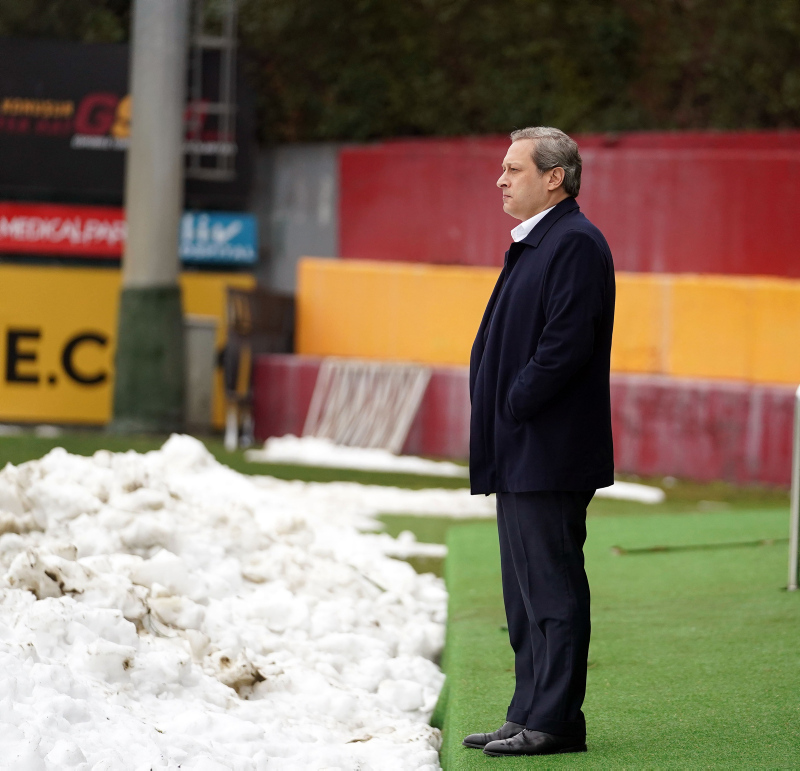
(540, 434)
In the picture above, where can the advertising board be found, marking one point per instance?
(99, 232)
(57, 229)
(219, 238)
(65, 116)
(58, 337)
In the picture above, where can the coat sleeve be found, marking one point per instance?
(573, 295)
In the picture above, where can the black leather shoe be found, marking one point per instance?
(534, 743)
(479, 741)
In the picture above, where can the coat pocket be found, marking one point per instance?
(508, 402)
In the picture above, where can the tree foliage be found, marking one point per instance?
(718, 64)
(364, 69)
(358, 69)
(90, 21)
(361, 69)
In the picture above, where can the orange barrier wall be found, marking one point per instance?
(58, 334)
(745, 328)
(400, 311)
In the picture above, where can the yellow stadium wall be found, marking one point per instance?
(44, 309)
(685, 325)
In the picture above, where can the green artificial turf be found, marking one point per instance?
(695, 654)
(425, 529)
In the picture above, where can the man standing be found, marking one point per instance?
(540, 434)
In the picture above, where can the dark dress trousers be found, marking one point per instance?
(540, 437)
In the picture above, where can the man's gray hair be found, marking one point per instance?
(552, 148)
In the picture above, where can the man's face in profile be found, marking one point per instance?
(525, 188)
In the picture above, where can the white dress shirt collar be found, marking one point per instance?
(524, 228)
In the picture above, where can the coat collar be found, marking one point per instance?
(540, 230)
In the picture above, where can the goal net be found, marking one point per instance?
(365, 403)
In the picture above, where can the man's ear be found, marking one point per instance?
(556, 178)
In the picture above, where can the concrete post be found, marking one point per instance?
(794, 501)
(149, 377)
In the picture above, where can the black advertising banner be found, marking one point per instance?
(54, 97)
(65, 115)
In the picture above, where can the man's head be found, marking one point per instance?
(541, 168)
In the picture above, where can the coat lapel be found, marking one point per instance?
(487, 314)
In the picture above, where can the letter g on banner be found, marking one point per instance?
(96, 114)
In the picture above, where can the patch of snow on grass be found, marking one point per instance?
(315, 451)
(632, 491)
(312, 451)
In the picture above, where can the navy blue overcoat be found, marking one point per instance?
(539, 368)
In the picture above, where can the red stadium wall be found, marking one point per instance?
(695, 429)
(677, 203)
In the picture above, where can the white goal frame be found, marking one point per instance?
(362, 403)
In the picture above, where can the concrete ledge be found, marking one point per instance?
(702, 429)
(695, 429)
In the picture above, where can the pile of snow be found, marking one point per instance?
(163, 611)
(316, 451)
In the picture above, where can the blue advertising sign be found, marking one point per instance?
(218, 237)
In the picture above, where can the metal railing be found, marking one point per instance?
(794, 516)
